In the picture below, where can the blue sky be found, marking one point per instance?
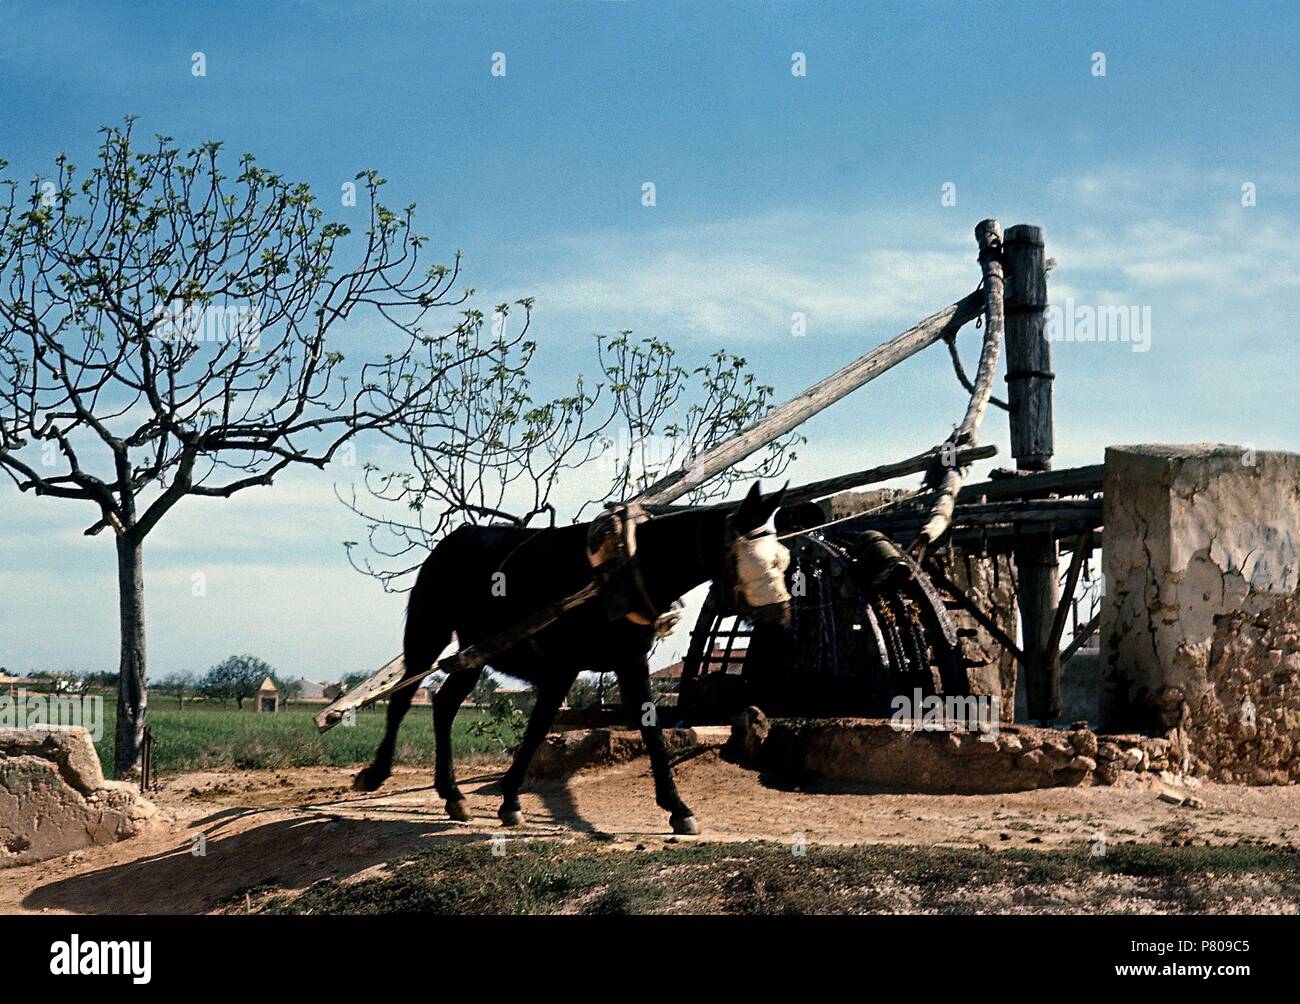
(775, 194)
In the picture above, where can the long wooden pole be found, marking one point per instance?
(843, 482)
(1029, 396)
(989, 236)
(820, 395)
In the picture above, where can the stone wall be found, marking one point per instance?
(1200, 553)
(1245, 725)
(877, 753)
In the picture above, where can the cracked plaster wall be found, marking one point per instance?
(1193, 535)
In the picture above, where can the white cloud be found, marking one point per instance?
(746, 278)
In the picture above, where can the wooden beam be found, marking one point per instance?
(872, 475)
(820, 395)
(1081, 551)
(1071, 481)
(885, 472)
(936, 573)
(1035, 511)
(1029, 353)
(1081, 636)
(989, 236)
(1029, 383)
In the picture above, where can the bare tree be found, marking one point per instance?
(489, 452)
(168, 330)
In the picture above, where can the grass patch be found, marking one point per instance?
(545, 877)
(200, 737)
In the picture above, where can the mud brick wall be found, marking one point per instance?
(54, 799)
(1201, 554)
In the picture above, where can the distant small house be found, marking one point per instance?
(733, 661)
(667, 681)
(312, 692)
(334, 691)
(268, 697)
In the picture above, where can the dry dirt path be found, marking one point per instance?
(295, 827)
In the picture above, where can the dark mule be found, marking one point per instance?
(479, 580)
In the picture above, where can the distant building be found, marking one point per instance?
(312, 692)
(268, 697)
(673, 673)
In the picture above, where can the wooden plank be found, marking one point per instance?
(382, 683)
(1072, 481)
(819, 396)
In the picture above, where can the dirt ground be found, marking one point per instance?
(294, 827)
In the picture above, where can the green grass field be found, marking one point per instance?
(198, 737)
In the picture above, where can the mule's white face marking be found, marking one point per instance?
(761, 562)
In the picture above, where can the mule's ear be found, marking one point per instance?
(750, 514)
(772, 503)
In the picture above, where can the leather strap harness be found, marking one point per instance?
(611, 551)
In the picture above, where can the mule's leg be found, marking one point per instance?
(451, 695)
(634, 687)
(427, 633)
(549, 698)
(370, 778)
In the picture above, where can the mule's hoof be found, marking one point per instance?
(457, 810)
(368, 780)
(511, 817)
(685, 825)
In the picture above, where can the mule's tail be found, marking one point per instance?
(428, 615)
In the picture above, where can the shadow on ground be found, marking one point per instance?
(292, 853)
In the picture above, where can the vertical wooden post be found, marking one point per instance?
(1029, 390)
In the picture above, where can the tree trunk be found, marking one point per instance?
(132, 700)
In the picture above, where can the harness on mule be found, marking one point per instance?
(611, 552)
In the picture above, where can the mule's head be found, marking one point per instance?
(757, 559)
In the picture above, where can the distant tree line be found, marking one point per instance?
(236, 678)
